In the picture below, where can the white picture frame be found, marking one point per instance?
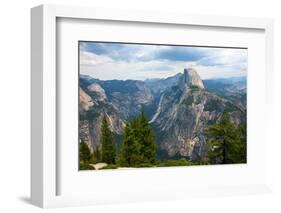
(44, 153)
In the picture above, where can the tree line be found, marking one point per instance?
(226, 144)
(138, 147)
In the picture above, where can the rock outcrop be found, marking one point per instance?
(85, 100)
(191, 78)
(179, 108)
(98, 91)
(184, 112)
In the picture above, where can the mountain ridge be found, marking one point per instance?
(179, 108)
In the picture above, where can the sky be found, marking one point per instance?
(107, 61)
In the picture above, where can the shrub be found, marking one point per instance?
(143, 165)
(85, 166)
(188, 101)
(167, 163)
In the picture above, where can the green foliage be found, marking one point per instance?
(129, 153)
(189, 100)
(146, 137)
(180, 162)
(194, 88)
(145, 165)
(108, 149)
(85, 166)
(230, 107)
(84, 157)
(198, 161)
(227, 143)
(216, 152)
(242, 145)
(96, 155)
(138, 144)
(84, 152)
(215, 105)
(212, 105)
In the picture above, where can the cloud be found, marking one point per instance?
(132, 52)
(134, 61)
(138, 70)
(224, 56)
(89, 58)
(224, 62)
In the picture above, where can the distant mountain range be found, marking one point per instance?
(179, 108)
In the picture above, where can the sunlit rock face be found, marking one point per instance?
(191, 78)
(183, 113)
(179, 108)
(98, 91)
(85, 100)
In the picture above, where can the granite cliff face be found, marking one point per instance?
(93, 105)
(85, 101)
(128, 97)
(179, 108)
(191, 78)
(183, 113)
(98, 91)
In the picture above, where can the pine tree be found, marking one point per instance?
(147, 140)
(96, 156)
(223, 141)
(84, 152)
(108, 150)
(138, 143)
(242, 145)
(130, 151)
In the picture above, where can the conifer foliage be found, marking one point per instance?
(84, 152)
(84, 156)
(147, 140)
(108, 149)
(96, 156)
(138, 144)
(227, 143)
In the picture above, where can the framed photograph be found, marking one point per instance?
(179, 106)
(129, 106)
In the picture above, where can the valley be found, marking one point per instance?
(178, 108)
